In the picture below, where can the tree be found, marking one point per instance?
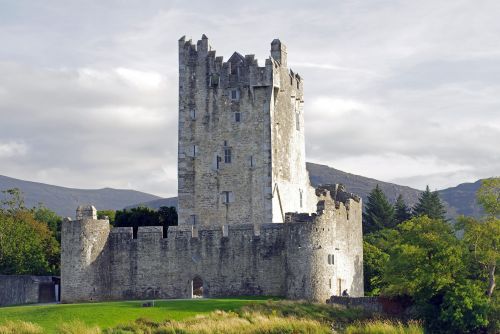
(13, 200)
(483, 236)
(430, 204)
(51, 219)
(111, 214)
(488, 196)
(401, 211)
(379, 213)
(27, 246)
(426, 258)
(168, 216)
(144, 216)
(427, 264)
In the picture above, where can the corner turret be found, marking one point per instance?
(84, 266)
(278, 52)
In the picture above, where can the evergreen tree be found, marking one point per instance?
(379, 213)
(430, 205)
(401, 211)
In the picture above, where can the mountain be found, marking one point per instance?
(458, 200)
(156, 204)
(360, 185)
(461, 199)
(64, 201)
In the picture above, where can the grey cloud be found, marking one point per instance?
(412, 83)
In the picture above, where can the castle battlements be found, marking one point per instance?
(238, 70)
(173, 233)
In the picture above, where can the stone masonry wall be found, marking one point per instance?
(256, 114)
(287, 259)
(84, 257)
(292, 191)
(223, 106)
(21, 289)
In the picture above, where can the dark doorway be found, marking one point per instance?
(197, 287)
(46, 292)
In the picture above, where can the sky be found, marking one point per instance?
(402, 91)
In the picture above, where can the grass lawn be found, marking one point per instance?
(113, 313)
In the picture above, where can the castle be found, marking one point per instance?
(250, 223)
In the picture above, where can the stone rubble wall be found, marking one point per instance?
(288, 259)
(21, 289)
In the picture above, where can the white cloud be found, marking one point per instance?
(143, 80)
(12, 149)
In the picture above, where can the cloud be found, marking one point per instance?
(402, 91)
(12, 149)
(88, 127)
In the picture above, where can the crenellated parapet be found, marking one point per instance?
(237, 71)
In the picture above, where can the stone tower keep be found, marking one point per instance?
(241, 169)
(241, 138)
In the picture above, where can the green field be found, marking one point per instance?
(113, 313)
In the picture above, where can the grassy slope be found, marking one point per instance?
(113, 313)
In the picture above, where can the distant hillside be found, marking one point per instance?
(459, 200)
(65, 200)
(322, 174)
(156, 204)
(462, 199)
(360, 185)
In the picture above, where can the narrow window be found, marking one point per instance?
(227, 155)
(251, 161)
(227, 197)
(329, 259)
(333, 259)
(218, 162)
(214, 80)
(297, 121)
(195, 150)
(192, 114)
(300, 195)
(330, 283)
(237, 117)
(193, 219)
(235, 94)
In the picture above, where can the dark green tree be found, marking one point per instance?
(144, 216)
(379, 213)
(168, 216)
(430, 204)
(401, 211)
